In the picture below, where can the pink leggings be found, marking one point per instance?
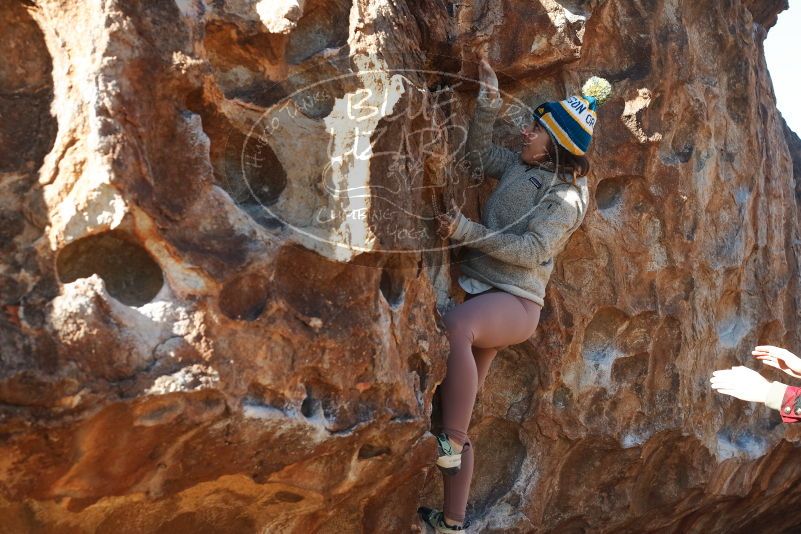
(477, 329)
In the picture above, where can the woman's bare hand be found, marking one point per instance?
(779, 358)
(448, 221)
(487, 76)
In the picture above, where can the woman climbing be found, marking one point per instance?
(540, 201)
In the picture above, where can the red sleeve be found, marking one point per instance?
(791, 405)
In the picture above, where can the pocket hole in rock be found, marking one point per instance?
(391, 285)
(369, 450)
(287, 496)
(130, 273)
(310, 405)
(259, 171)
(245, 298)
(324, 24)
(28, 128)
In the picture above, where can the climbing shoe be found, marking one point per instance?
(448, 460)
(436, 520)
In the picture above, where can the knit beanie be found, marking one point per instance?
(571, 121)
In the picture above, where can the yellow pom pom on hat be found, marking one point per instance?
(572, 120)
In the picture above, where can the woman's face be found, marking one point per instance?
(536, 142)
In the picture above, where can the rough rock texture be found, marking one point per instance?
(221, 283)
(794, 144)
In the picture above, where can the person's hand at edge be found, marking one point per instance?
(742, 383)
(779, 358)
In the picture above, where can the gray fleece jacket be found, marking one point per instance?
(526, 221)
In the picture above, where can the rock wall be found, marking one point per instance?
(222, 289)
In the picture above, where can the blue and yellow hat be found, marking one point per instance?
(571, 121)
